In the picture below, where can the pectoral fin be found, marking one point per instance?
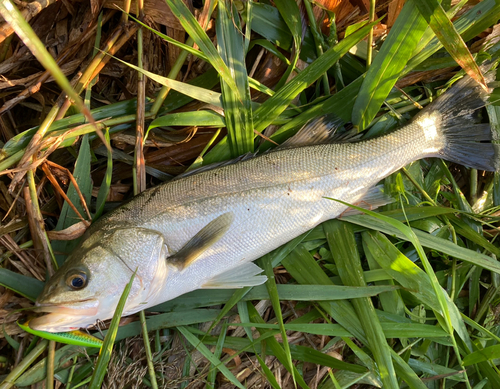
(205, 238)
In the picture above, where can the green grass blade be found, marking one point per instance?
(168, 39)
(195, 118)
(343, 247)
(68, 217)
(430, 241)
(280, 253)
(266, 264)
(405, 372)
(435, 369)
(235, 298)
(391, 301)
(407, 329)
(194, 30)
(26, 286)
(289, 11)
(244, 317)
(300, 353)
(276, 348)
(362, 356)
(271, 379)
(429, 34)
(267, 21)
(169, 320)
(340, 104)
(467, 232)
(435, 15)
(451, 316)
(195, 92)
(237, 105)
(413, 278)
(38, 372)
(305, 270)
(106, 181)
(229, 297)
(270, 48)
(13, 148)
(12, 377)
(109, 340)
(485, 354)
(308, 354)
(147, 349)
(388, 64)
(196, 343)
(217, 354)
(481, 384)
(481, 16)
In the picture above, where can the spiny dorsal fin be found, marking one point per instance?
(205, 238)
(244, 275)
(323, 129)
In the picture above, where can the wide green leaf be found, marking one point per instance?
(237, 104)
(272, 107)
(203, 118)
(68, 217)
(25, 286)
(430, 241)
(483, 15)
(435, 15)
(388, 64)
(344, 250)
(486, 354)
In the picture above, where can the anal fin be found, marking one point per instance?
(374, 198)
(244, 275)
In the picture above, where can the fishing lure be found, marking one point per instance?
(77, 338)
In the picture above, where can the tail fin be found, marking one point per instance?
(467, 141)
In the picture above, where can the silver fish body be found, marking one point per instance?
(238, 213)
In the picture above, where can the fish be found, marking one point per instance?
(205, 229)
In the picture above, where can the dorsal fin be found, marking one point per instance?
(323, 129)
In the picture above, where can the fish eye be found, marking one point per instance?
(76, 280)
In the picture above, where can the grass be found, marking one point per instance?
(404, 297)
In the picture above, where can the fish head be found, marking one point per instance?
(89, 285)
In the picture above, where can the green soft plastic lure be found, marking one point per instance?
(77, 338)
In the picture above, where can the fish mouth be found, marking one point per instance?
(68, 307)
(65, 317)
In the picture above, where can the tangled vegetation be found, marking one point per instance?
(97, 105)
